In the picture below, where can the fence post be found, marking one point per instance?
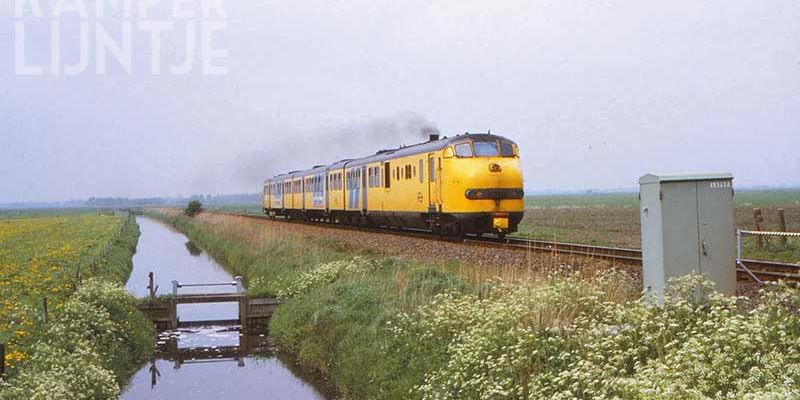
(782, 222)
(174, 288)
(758, 218)
(44, 307)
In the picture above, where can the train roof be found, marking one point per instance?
(403, 151)
(426, 147)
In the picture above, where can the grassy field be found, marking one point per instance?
(388, 328)
(613, 220)
(40, 256)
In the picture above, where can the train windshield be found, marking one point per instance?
(486, 149)
(463, 150)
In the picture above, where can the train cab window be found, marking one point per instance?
(507, 149)
(464, 150)
(486, 149)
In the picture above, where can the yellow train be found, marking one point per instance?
(469, 183)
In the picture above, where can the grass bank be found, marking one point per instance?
(93, 337)
(384, 328)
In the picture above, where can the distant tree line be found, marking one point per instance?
(248, 198)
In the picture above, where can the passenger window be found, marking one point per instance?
(386, 169)
(464, 150)
(432, 169)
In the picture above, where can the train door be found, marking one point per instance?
(284, 191)
(387, 181)
(303, 196)
(364, 191)
(327, 176)
(434, 179)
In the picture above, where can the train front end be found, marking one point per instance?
(484, 184)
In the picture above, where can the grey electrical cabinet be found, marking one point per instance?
(687, 226)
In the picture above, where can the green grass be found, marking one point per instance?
(240, 208)
(584, 200)
(745, 197)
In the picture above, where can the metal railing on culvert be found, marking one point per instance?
(237, 282)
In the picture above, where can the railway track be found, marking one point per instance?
(761, 270)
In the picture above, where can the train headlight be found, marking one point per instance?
(495, 194)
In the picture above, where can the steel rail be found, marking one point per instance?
(763, 269)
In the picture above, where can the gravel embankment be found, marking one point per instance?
(422, 249)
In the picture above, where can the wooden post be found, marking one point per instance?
(44, 307)
(150, 284)
(173, 310)
(758, 217)
(782, 227)
(243, 313)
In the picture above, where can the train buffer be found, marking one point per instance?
(254, 313)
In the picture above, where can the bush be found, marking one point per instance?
(95, 337)
(193, 208)
(564, 341)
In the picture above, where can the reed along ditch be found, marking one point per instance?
(206, 361)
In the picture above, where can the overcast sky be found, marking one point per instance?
(596, 93)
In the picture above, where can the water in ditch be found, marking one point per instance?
(206, 361)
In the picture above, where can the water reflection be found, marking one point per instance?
(206, 362)
(215, 363)
(193, 249)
